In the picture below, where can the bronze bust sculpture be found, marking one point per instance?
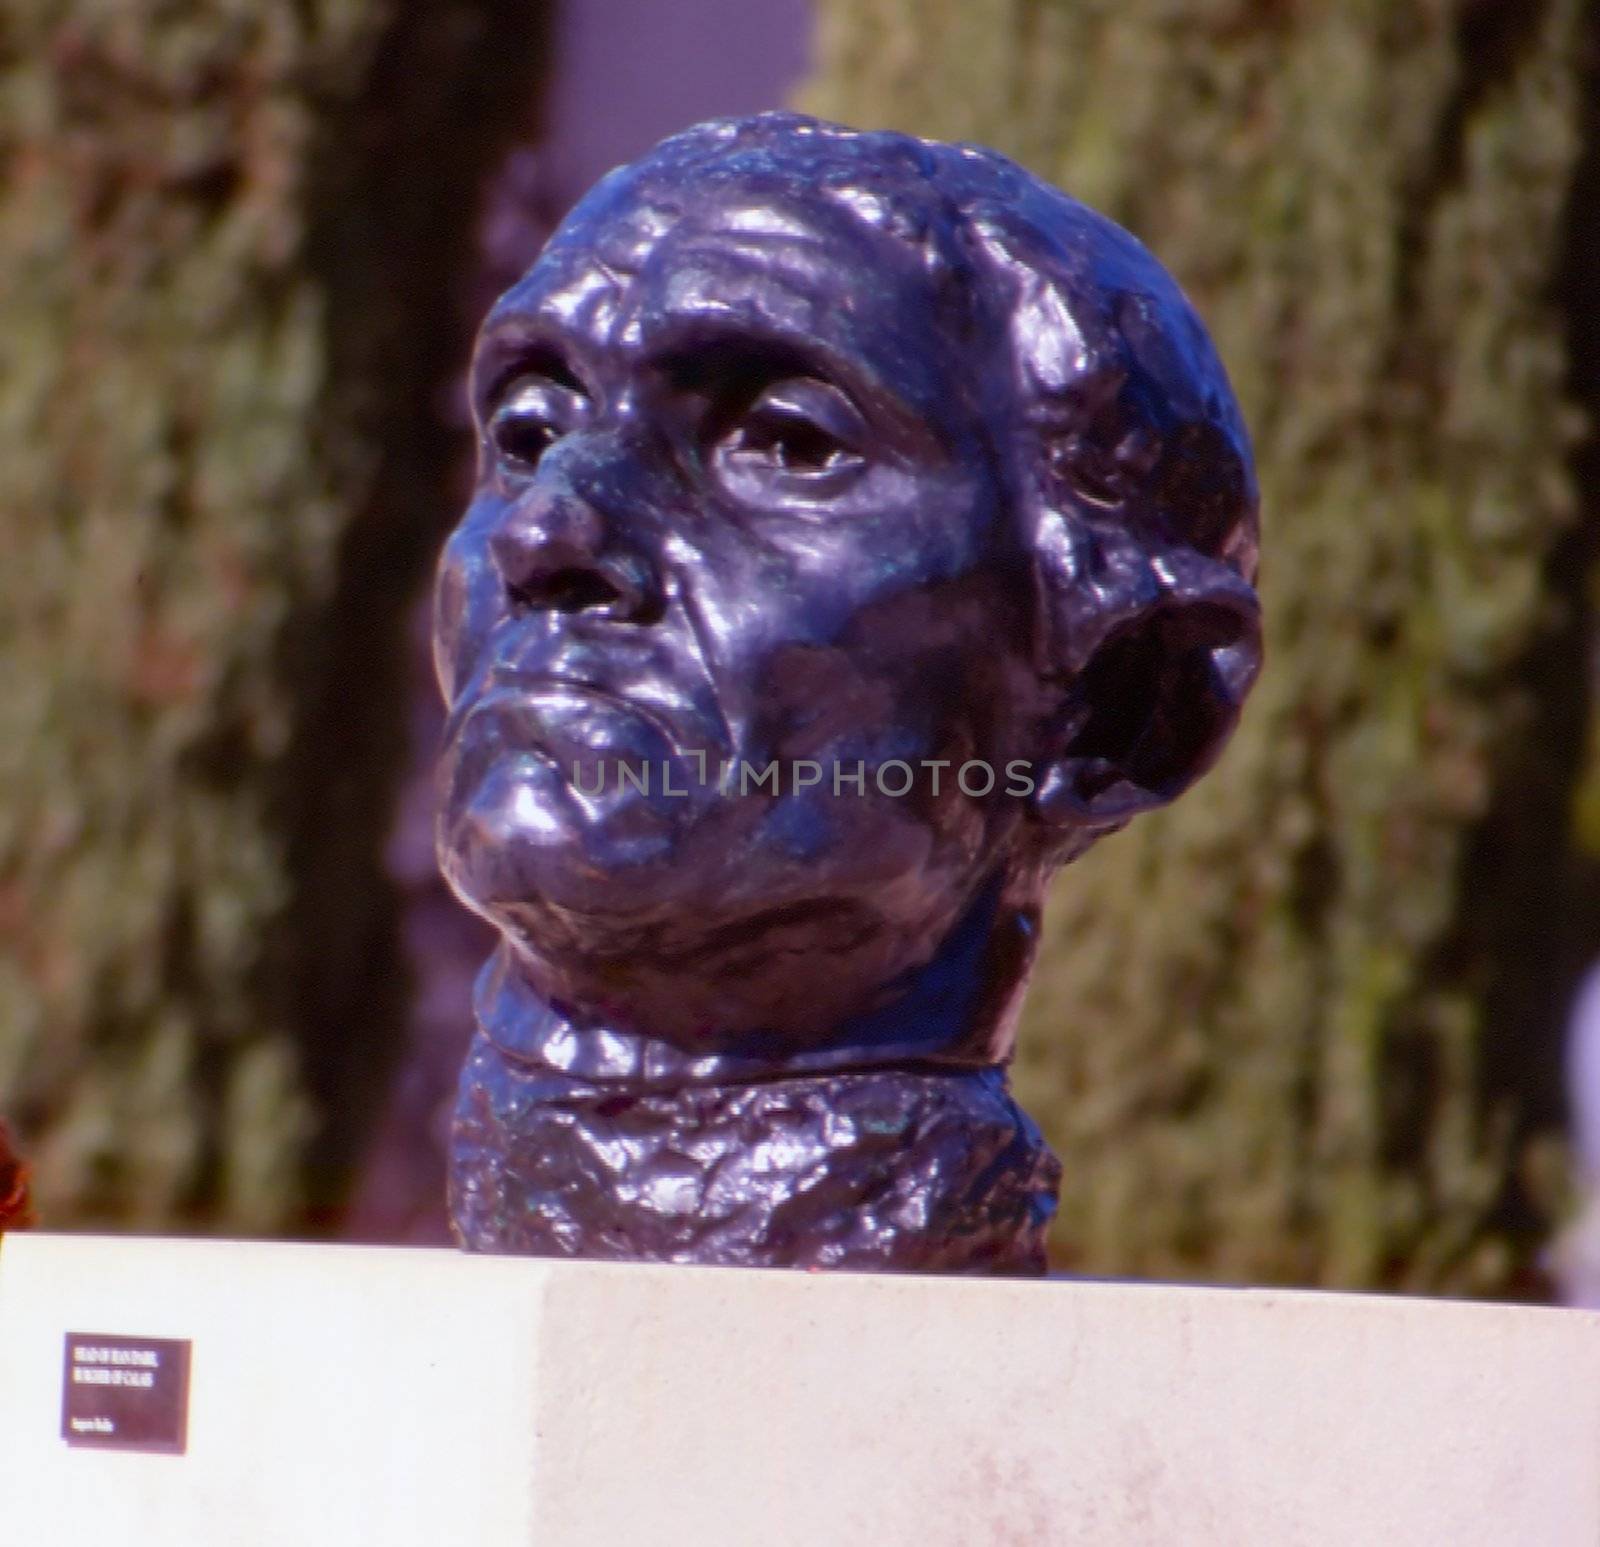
(863, 527)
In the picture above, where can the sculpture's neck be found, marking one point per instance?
(891, 1143)
(958, 1010)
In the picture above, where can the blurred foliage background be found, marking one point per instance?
(1303, 1028)
(232, 236)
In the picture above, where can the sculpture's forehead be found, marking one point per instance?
(639, 263)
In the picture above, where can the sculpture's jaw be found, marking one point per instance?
(811, 992)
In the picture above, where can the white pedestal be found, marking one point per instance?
(346, 1396)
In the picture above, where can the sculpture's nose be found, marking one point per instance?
(553, 555)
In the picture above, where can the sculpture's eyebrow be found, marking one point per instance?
(516, 346)
(543, 322)
(699, 349)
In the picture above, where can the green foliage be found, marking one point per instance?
(160, 358)
(229, 233)
(1260, 1036)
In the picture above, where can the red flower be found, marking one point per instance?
(15, 1211)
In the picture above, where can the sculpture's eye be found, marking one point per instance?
(801, 432)
(530, 416)
(1082, 467)
(1104, 466)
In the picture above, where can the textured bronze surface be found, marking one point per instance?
(863, 528)
(834, 1170)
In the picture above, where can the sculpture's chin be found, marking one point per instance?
(586, 803)
(525, 833)
(673, 942)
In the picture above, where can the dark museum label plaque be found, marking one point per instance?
(125, 1393)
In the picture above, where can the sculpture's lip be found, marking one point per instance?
(505, 688)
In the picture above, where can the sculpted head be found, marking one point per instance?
(837, 451)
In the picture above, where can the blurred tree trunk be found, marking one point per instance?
(231, 236)
(1303, 1027)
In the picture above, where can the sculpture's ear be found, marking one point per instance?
(1157, 696)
